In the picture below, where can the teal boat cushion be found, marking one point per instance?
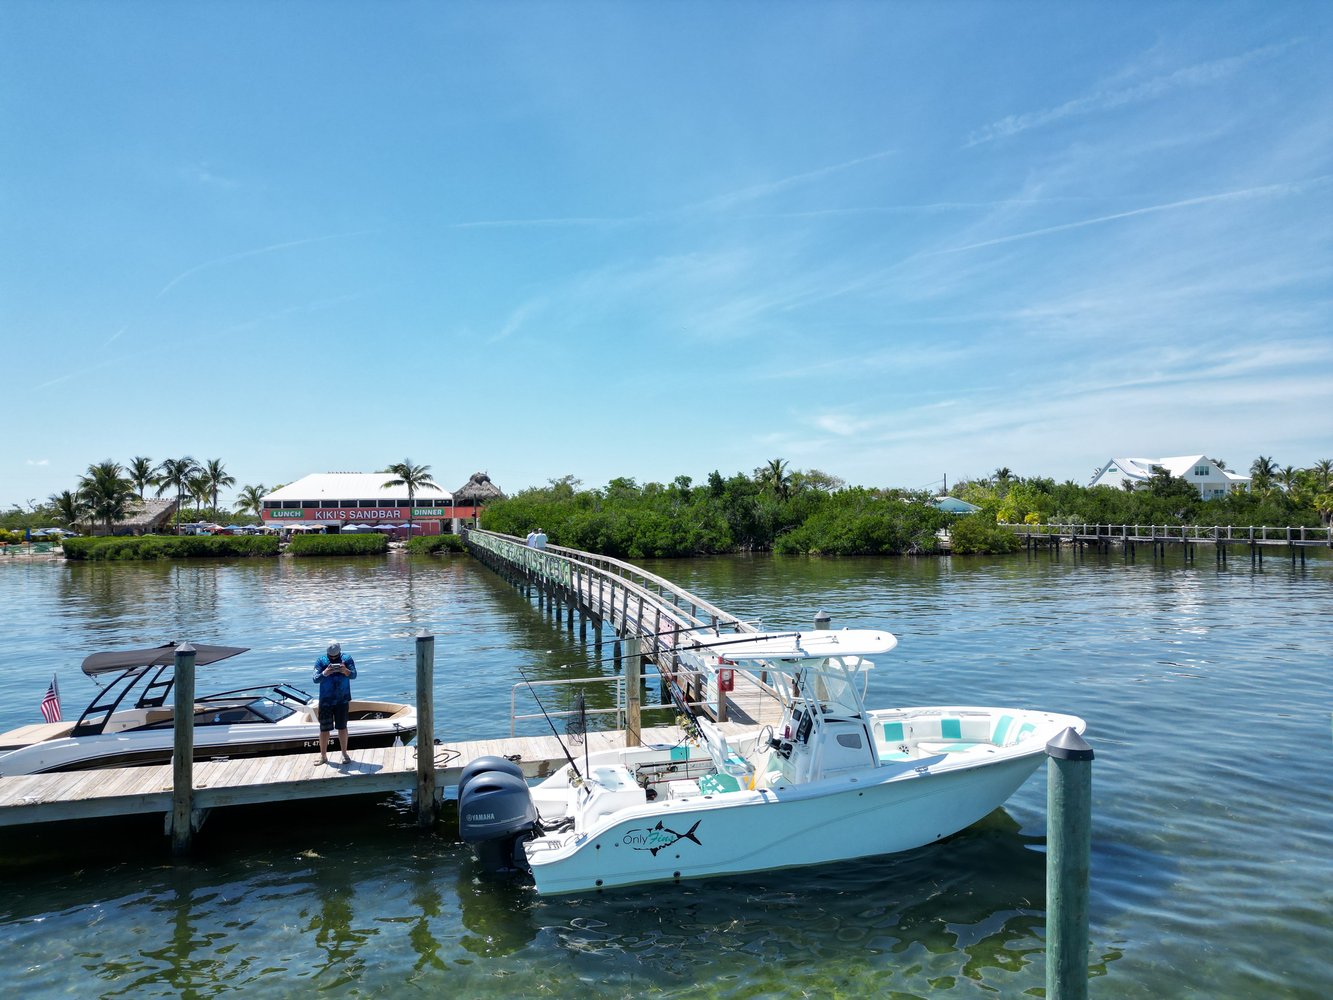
(1001, 729)
(951, 729)
(893, 732)
(717, 784)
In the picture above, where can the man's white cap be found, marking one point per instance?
(335, 649)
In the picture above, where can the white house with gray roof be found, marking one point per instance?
(1211, 479)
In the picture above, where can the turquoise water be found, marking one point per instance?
(1206, 691)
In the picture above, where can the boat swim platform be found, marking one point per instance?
(66, 796)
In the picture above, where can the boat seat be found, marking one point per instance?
(718, 784)
(1004, 734)
(945, 746)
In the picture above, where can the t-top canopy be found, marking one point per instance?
(125, 659)
(816, 644)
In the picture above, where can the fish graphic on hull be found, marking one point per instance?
(659, 838)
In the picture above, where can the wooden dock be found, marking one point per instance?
(651, 620)
(28, 799)
(635, 605)
(1158, 539)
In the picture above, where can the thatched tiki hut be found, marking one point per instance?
(142, 517)
(476, 493)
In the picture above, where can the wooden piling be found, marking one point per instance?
(425, 792)
(1068, 859)
(182, 760)
(633, 693)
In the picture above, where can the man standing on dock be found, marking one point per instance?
(334, 672)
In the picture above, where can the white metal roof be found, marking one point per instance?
(1178, 465)
(352, 486)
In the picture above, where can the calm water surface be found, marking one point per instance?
(1206, 691)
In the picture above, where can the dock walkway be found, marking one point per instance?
(636, 605)
(1159, 537)
(76, 795)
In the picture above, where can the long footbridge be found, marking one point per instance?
(651, 619)
(1159, 538)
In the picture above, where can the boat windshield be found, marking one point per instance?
(837, 683)
(270, 710)
(218, 711)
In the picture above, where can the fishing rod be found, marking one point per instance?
(554, 731)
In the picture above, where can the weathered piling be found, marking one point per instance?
(1068, 859)
(425, 793)
(182, 760)
(633, 696)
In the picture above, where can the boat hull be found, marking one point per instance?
(888, 810)
(147, 747)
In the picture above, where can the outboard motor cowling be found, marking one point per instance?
(481, 765)
(496, 814)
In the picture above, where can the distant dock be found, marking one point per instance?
(1225, 540)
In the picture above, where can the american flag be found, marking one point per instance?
(51, 703)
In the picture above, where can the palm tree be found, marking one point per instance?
(175, 473)
(251, 500)
(1002, 475)
(1262, 471)
(775, 477)
(1287, 477)
(106, 491)
(199, 487)
(218, 480)
(1323, 470)
(141, 473)
(68, 507)
(414, 477)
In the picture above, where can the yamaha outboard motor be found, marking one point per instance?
(496, 814)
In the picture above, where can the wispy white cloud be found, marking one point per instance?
(204, 174)
(768, 188)
(517, 318)
(1109, 98)
(258, 251)
(38, 461)
(719, 202)
(1262, 191)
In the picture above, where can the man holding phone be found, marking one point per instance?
(334, 673)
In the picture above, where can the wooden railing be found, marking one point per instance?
(1240, 534)
(633, 601)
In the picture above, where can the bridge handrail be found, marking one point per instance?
(1290, 534)
(626, 573)
(562, 564)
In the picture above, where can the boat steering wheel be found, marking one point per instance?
(764, 740)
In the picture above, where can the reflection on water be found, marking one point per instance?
(1205, 690)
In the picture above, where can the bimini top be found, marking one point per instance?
(126, 659)
(811, 645)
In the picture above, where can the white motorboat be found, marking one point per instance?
(835, 781)
(131, 723)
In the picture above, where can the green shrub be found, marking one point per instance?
(169, 547)
(435, 543)
(339, 545)
(978, 533)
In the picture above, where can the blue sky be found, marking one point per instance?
(891, 241)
